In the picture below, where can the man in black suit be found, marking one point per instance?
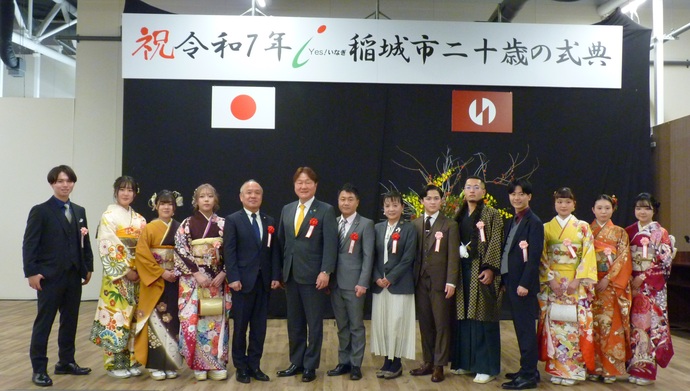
(308, 236)
(250, 248)
(57, 261)
(524, 242)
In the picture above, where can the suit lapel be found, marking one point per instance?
(292, 210)
(308, 215)
(521, 227)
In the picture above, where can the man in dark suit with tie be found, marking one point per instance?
(436, 274)
(251, 252)
(308, 235)
(524, 242)
(352, 278)
(57, 261)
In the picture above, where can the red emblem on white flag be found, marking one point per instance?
(243, 107)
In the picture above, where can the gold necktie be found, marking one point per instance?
(300, 219)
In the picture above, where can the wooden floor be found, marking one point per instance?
(15, 370)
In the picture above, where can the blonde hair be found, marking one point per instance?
(197, 192)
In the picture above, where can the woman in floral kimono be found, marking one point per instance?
(200, 267)
(117, 236)
(652, 253)
(157, 328)
(611, 306)
(568, 274)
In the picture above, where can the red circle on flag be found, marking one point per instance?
(243, 107)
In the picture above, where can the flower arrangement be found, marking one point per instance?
(449, 173)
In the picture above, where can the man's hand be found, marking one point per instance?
(236, 286)
(275, 284)
(35, 281)
(450, 291)
(522, 291)
(360, 291)
(486, 277)
(87, 279)
(322, 281)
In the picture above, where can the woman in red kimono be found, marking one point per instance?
(651, 249)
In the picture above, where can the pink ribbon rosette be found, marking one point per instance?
(312, 223)
(270, 230)
(395, 237)
(523, 245)
(353, 238)
(438, 235)
(480, 225)
(607, 252)
(645, 246)
(569, 245)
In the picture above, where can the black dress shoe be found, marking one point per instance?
(514, 375)
(258, 375)
(356, 373)
(308, 375)
(242, 376)
(292, 370)
(41, 379)
(339, 369)
(71, 369)
(520, 383)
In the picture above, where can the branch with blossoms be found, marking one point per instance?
(449, 173)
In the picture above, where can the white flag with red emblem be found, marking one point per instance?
(243, 107)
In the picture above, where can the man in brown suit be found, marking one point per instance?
(435, 273)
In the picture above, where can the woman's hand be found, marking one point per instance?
(169, 276)
(573, 285)
(637, 282)
(602, 284)
(218, 280)
(556, 287)
(132, 275)
(202, 280)
(383, 283)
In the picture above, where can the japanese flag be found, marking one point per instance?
(243, 107)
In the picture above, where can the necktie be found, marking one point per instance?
(342, 232)
(68, 214)
(300, 219)
(427, 224)
(255, 225)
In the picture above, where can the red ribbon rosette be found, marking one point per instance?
(270, 230)
(395, 237)
(353, 238)
(312, 223)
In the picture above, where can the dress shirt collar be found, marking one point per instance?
(519, 215)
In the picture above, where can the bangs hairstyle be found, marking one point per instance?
(166, 196)
(197, 192)
(564, 192)
(605, 197)
(125, 182)
(428, 188)
(523, 183)
(646, 199)
(55, 172)
(392, 195)
(311, 174)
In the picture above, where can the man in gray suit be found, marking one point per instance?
(352, 276)
(308, 234)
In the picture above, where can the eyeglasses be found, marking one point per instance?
(475, 187)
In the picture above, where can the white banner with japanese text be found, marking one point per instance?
(211, 47)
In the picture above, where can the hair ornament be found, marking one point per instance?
(152, 201)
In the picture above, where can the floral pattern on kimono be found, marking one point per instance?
(117, 236)
(611, 307)
(199, 246)
(650, 334)
(567, 348)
